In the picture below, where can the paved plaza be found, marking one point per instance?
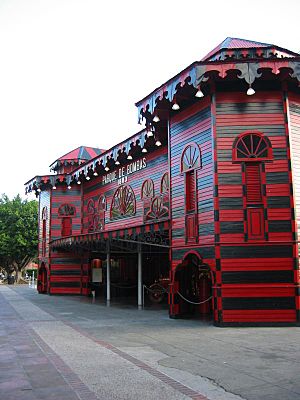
(67, 348)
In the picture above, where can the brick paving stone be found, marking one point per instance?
(26, 372)
(19, 395)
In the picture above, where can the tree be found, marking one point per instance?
(18, 233)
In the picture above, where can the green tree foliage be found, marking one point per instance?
(18, 233)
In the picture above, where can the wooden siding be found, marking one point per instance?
(62, 196)
(65, 269)
(294, 126)
(69, 274)
(256, 276)
(44, 201)
(294, 116)
(65, 274)
(192, 125)
(157, 165)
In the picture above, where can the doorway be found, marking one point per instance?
(194, 282)
(42, 279)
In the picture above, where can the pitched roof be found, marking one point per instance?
(81, 153)
(236, 43)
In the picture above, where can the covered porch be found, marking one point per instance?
(129, 265)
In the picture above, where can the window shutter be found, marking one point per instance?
(191, 220)
(44, 229)
(256, 225)
(190, 186)
(191, 228)
(66, 226)
(253, 183)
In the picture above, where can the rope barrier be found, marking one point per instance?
(184, 298)
(156, 291)
(192, 302)
(123, 287)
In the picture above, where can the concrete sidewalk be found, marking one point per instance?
(55, 347)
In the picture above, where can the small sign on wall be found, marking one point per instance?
(121, 175)
(97, 275)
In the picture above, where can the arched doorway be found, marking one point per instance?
(194, 287)
(42, 279)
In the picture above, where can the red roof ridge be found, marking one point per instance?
(238, 43)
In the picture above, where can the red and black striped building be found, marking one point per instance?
(203, 203)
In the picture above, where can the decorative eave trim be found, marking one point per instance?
(67, 162)
(125, 147)
(38, 182)
(197, 73)
(97, 164)
(133, 234)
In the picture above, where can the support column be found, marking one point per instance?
(108, 275)
(140, 277)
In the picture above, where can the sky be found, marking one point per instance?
(72, 70)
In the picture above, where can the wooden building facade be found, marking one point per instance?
(206, 197)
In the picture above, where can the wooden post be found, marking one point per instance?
(140, 278)
(108, 275)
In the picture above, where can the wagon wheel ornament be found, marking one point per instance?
(123, 202)
(191, 158)
(165, 184)
(91, 206)
(158, 210)
(252, 146)
(102, 203)
(98, 223)
(147, 189)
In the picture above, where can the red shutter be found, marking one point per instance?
(44, 229)
(256, 226)
(253, 183)
(66, 226)
(191, 221)
(191, 228)
(190, 191)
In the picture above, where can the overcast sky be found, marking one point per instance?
(71, 70)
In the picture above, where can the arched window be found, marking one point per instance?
(91, 206)
(100, 222)
(44, 229)
(190, 162)
(165, 189)
(96, 208)
(191, 158)
(157, 210)
(165, 184)
(90, 212)
(102, 203)
(44, 213)
(123, 202)
(66, 212)
(253, 149)
(147, 191)
(44, 221)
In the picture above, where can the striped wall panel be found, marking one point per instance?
(192, 125)
(157, 165)
(65, 269)
(294, 107)
(294, 126)
(65, 274)
(62, 196)
(44, 202)
(257, 277)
